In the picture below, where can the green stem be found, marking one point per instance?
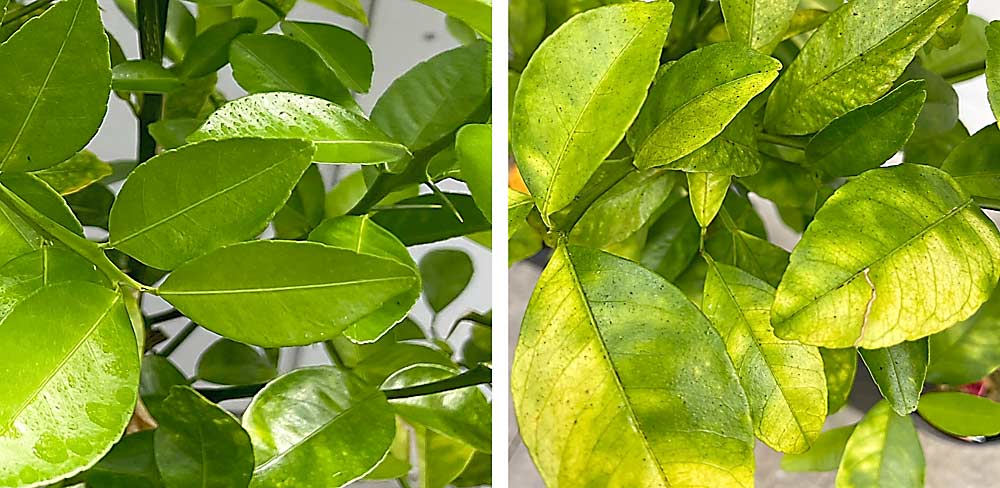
(78, 244)
(793, 142)
(476, 376)
(152, 19)
(24, 11)
(177, 340)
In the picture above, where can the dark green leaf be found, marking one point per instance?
(445, 273)
(414, 224)
(342, 50)
(173, 133)
(158, 375)
(993, 66)
(131, 463)
(526, 29)
(304, 210)
(975, 165)
(624, 208)
(931, 148)
(92, 205)
(229, 362)
(899, 372)
(672, 241)
(210, 50)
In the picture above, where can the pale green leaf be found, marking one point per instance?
(707, 192)
(867, 136)
(18, 236)
(474, 149)
(446, 273)
(342, 50)
(993, 66)
(75, 173)
(884, 450)
(352, 353)
(56, 86)
(519, 205)
(922, 258)
(899, 372)
(210, 50)
(840, 366)
(760, 24)
(479, 472)
(440, 459)
(475, 13)
(312, 414)
(186, 202)
(961, 414)
(228, 362)
(606, 348)
(851, 60)
(80, 389)
(340, 135)
(143, 76)
(970, 350)
(694, 99)
(624, 208)
(350, 8)
(784, 380)
(824, 455)
(283, 293)
(570, 111)
(25, 275)
(436, 97)
(931, 148)
(397, 462)
(733, 151)
(199, 444)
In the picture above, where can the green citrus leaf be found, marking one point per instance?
(200, 444)
(342, 50)
(340, 136)
(899, 372)
(963, 60)
(130, 463)
(672, 241)
(783, 380)
(440, 459)
(314, 414)
(62, 414)
(760, 24)
(970, 350)
(694, 99)
(75, 173)
(229, 362)
(304, 209)
(436, 97)
(730, 244)
(707, 192)
(851, 60)
(961, 414)
(445, 273)
(624, 208)
(922, 258)
(206, 195)
(993, 66)
(884, 450)
(352, 353)
(425, 219)
(840, 366)
(210, 50)
(350, 8)
(974, 164)
(824, 455)
(932, 148)
(597, 365)
(25, 275)
(397, 462)
(565, 122)
(283, 293)
(158, 375)
(462, 414)
(143, 76)
(477, 14)
(56, 97)
(474, 149)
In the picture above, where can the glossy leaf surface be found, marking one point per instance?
(343, 51)
(624, 208)
(440, 459)
(474, 149)
(707, 192)
(565, 121)
(130, 463)
(29, 273)
(81, 383)
(428, 220)
(922, 258)
(157, 376)
(599, 363)
(75, 173)
(281, 293)
(143, 76)
(210, 50)
(184, 203)
(445, 273)
(961, 414)
(899, 372)
(851, 60)
(317, 423)
(883, 450)
(60, 86)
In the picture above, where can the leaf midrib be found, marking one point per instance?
(277, 289)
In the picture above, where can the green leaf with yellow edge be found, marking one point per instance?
(851, 60)
(81, 383)
(899, 372)
(317, 413)
(597, 365)
(922, 258)
(840, 366)
(824, 455)
(784, 380)
(694, 99)
(961, 414)
(75, 173)
(565, 122)
(56, 97)
(968, 351)
(474, 149)
(883, 450)
(760, 24)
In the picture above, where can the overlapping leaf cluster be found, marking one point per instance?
(84, 364)
(666, 332)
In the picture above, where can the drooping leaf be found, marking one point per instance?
(157, 376)
(463, 414)
(317, 413)
(130, 463)
(783, 380)
(143, 76)
(200, 444)
(883, 450)
(993, 66)
(961, 414)
(707, 192)
(425, 219)
(283, 293)
(80, 388)
(672, 241)
(974, 164)
(445, 273)
(899, 372)
(276, 63)
(565, 122)
(210, 50)
(851, 60)
(56, 86)
(75, 173)
(760, 24)
(342, 50)
(624, 208)
(606, 348)
(840, 366)
(867, 136)
(28, 273)
(694, 99)
(340, 135)
(364, 237)
(474, 149)
(304, 209)
(477, 14)
(923, 257)
(186, 202)
(968, 351)
(435, 97)
(824, 455)
(229, 362)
